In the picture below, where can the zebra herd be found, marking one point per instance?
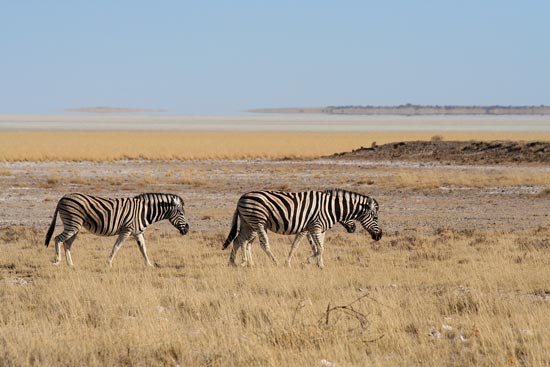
(308, 213)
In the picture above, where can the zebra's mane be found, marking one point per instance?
(160, 197)
(337, 191)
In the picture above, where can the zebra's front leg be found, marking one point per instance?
(141, 243)
(294, 246)
(121, 237)
(264, 243)
(314, 251)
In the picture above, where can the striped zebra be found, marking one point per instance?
(124, 217)
(302, 213)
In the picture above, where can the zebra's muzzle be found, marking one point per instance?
(184, 229)
(376, 236)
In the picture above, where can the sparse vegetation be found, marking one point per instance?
(460, 278)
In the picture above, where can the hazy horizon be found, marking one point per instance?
(275, 122)
(202, 59)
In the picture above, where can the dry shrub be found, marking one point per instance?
(76, 179)
(405, 242)
(20, 234)
(283, 186)
(430, 254)
(193, 182)
(460, 302)
(113, 180)
(52, 180)
(5, 172)
(533, 244)
(365, 181)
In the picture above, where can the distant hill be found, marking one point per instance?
(411, 110)
(105, 109)
(456, 152)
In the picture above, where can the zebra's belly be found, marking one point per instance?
(280, 229)
(99, 231)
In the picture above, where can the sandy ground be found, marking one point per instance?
(29, 191)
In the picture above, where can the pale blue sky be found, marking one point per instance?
(222, 57)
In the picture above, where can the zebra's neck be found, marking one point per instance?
(342, 205)
(155, 207)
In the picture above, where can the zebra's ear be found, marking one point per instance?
(372, 203)
(177, 201)
(369, 205)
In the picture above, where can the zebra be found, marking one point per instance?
(302, 213)
(118, 216)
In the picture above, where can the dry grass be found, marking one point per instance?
(444, 298)
(436, 177)
(108, 146)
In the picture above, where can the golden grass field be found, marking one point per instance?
(458, 298)
(459, 279)
(101, 146)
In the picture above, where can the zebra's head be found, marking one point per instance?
(368, 217)
(176, 215)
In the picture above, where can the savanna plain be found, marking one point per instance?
(460, 277)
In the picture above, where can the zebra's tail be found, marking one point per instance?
(52, 227)
(233, 232)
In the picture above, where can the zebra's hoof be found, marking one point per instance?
(56, 263)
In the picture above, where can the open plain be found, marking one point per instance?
(460, 277)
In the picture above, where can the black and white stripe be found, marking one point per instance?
(302, 213)
(124, 217)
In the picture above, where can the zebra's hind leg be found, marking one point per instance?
(121, 237)
(67, 246)
(141, 243)
(264, 243)
(247, 250)
(245, 237)
(318, 240)
(62, 238)
(294, 246)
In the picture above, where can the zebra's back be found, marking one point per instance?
(282, 212)
(101, 216)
